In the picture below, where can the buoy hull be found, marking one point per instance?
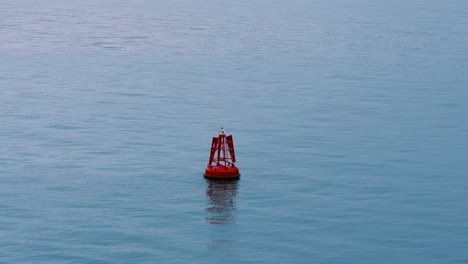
(222, 172)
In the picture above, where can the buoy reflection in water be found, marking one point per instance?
(221, 208)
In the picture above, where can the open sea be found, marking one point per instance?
(349, 118)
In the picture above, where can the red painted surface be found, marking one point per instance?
(222, 158)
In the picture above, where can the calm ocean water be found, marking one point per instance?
(349, 120)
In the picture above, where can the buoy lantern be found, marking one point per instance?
(222, 158)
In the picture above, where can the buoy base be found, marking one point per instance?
(222, 172)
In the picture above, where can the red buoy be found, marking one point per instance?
(222, 158)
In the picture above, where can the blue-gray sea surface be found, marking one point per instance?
(350, 122)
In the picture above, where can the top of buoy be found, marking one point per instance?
(221, 131)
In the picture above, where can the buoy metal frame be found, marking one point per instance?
(222, 158)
